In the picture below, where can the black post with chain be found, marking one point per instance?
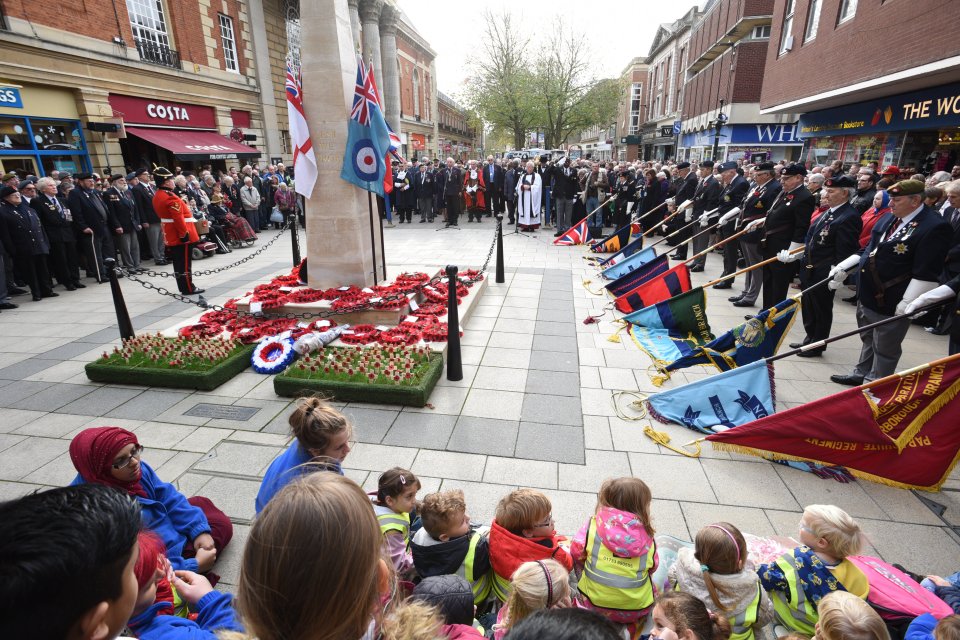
(454, 359)
(501, 278)
(123, 316)
(294, 239)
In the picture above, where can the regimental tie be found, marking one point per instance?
(893, 228)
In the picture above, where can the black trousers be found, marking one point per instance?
(511, 211)
(64, 262)
(683, 236)
(494, 201)
(816, 306)
(731, 250)
(777, 277)
(180, 256)
(453, 208)
(32, 269)
(95, 249)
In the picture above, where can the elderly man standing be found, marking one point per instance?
(250, 202)
(95, 224)
(143, 193)
(784, 230)
(752, 216)
(124, 210)
(902, 261)
(58, 223)
(452, 188)
(686, 182)
(493, 177)
(27, 242)
(735, 188)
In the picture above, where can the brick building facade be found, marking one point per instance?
(892, 92)
(418, 93)
(631, 111)
(456, 138)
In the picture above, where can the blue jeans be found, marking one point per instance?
(596, 219)
(546, 209)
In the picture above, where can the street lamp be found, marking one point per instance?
(717, 125)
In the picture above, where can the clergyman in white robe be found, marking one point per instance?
(528, 199)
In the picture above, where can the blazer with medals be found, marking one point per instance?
(706, 197)
(788, 220)
(123, 208)
(58, 228)
(423, 184)
(755, 206)
(915, 250)
(90, 212)
(24, 230)
(732, 195)
(834, 236)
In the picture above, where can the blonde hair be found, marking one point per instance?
(531, 591)
(314, 423)
(413, 620)
(522, 509)
(628, 494)
(835, 525)
(442, 510)
(844, 616)
(948, 628)
(719, 548)
(301, 577)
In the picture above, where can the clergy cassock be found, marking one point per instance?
(528, 201)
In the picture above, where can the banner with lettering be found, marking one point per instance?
(900, 430)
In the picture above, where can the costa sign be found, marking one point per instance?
(136, 110)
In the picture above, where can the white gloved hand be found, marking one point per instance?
(730, 215)
(688, 217)
(839, 272)
(786, 256)
(685, 205)
(705, 220)
(915, 289)
(833, 285)
(941, 293)
(754, 225)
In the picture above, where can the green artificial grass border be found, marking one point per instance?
(172, 378)
(409, 395)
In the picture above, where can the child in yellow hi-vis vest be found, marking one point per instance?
(396, 498)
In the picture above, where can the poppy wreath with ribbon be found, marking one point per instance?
(273, 355)
(437, 332)
(439, 294)
(394, 304)
(431, 310)
(406, 279)
(201, 330)
(302, 296)
(350, 300)
(217, 317)
(405, 333)
(362, 334)
(470, 274)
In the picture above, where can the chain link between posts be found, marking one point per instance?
(364, 306)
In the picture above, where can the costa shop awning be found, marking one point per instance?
(195, 145)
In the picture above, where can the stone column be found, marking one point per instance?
(391, 71)
(340, 248)
(355, 22)
(370, 19)
(264, 77)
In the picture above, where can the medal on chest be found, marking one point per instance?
(900, 248)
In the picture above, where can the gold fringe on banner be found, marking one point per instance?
(615, 337)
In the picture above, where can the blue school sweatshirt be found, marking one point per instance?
(166, 512)
(214, 612)
(283, 470)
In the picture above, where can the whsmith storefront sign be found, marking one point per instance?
(745, 134)
(934, 108)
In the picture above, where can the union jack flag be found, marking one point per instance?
(577, 234)
(365, 94)
(293, 87)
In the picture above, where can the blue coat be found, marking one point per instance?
(284, 469)
(214, 611)
(167, 513)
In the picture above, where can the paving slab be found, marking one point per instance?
(487, 403)
(369, 425)
(484, 436)
(554, 361)
(555, 443)
(100, 401)
(555, 383)
(148, 405)
(449, 464)
(421, 430)
(600, 466)
(673, 477)
(557, 410)
(28, 455)
(732, 480)
(238, 458)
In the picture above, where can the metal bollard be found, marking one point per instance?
(123, 316)
(454, 362)
(500, 279)
(294, 244)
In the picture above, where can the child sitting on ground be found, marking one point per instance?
(614, 553)
(396, 498)
(844, 616)
(718, 573)
(522, 530)
(799, 579)
(153, 613)
(453, 597)
(447, 545)
(926, 627)
(535, 586)
(681, 616)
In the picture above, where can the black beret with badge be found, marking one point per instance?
(794, 169)
(765, 166)
(683, 165)
(707, 163)
(841, 182)
(727, 166)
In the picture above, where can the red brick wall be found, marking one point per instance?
(704, 91)
(233, 11)
(884, 37)
(406, 78)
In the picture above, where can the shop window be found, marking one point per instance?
(229, 43)
(848, 9)
(813, 20)
(14, 134)
(70, 164)
(50, 135)
(786, 37)
(21, 165)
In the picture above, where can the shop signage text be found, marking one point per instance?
(163, 113)
(10, 97)
(168, 111)
(745, 134)
(938, 107)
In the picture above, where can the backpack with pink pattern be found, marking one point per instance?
(895, 595)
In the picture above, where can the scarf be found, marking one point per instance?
(92, 452)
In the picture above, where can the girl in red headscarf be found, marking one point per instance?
(193, 531)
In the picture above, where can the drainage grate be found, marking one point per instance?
(222, 411)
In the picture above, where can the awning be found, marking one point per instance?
(195, 145)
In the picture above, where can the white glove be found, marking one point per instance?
(688, 217)
(705, 220)
(833, 285)
(941, 293)
(839, 272)
(686, 204)
(915, 289)
(785, 255)
(730, 215)
(756, 224)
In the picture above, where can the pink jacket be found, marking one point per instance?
(619, 531)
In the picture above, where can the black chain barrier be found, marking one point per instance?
(363, 306)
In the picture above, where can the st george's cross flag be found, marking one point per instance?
(304, 158)
(671, 329)
(656, 289)
(900, 430)
(368, 137)
(577, 234)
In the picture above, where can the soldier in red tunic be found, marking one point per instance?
(179, 231)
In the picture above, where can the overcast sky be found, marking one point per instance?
(618, 32)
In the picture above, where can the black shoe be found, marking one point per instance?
(745, 303)
(849, 380)
(812, 353)
(422, 221)
(697, 269)
(79, 285)
(50, 294)
(723, 285)
(8, 305)
(195, 292)
(735, 298)
(741, 263)
(558, 234)
(796, 345)
(16, 291)
(37, 298)
(678, 257)
(69, 287)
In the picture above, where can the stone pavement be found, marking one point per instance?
(533, 408)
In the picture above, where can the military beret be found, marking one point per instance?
(131, 175)
(727, 166)
(841, 182)
(707, 163)
(764, 166)
(7, 176)
(794, 169)
(83, 176)
(683, 165)
(142, 170)
(6, 191)
(892, 170)
(116, 176)
(906, 188)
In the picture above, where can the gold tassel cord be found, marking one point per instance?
(615, 337)
(586, 286)
(637, 405)
(662, 438)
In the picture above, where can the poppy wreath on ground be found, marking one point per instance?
(217, 317)
(431, 310)
(201, 329)
(301, 296)
(396, 303)
(470, 274)
(405, 333)
(362, 334)
(439, 293)
(407, 279)
(437, 332)
(273, 355)
(358, 300)
(268, 298)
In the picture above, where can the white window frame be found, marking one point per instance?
(848, 9)
(416, 93)
(147, 21)
(787, 26)
(761, 32)
(229, 40)
(636, 96)
(813, 20)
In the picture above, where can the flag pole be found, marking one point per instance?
(716, 245)
(641, 217)
(667, 219)
(373, 237)
(680, 230)
(762, 263)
